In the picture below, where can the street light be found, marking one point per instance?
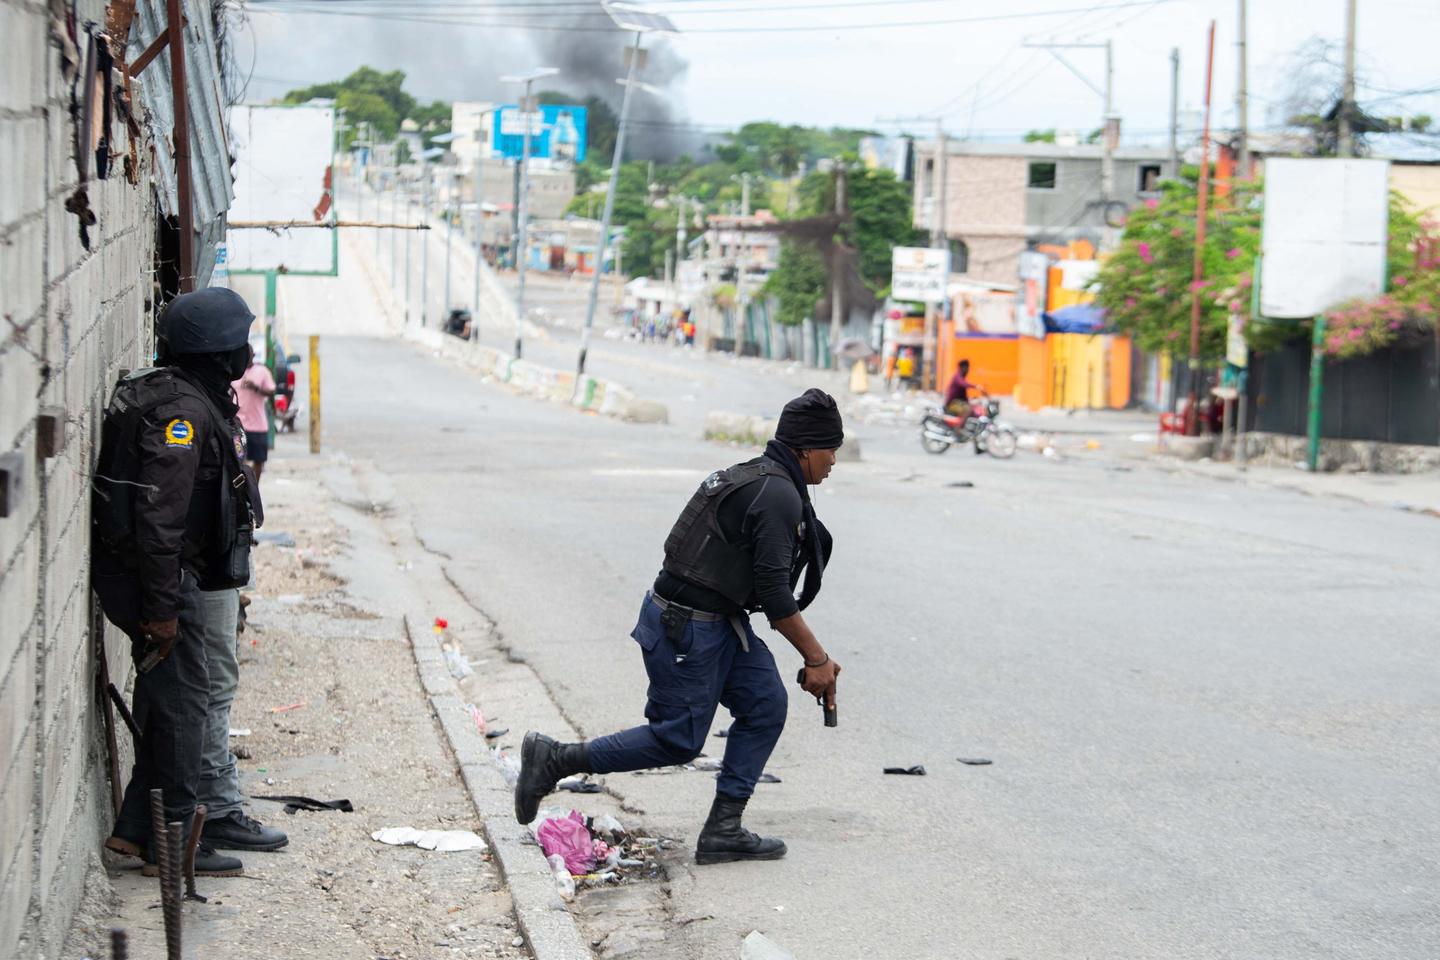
(641, 23)
(449, 217)
(527, 109)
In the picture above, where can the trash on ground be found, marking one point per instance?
(722, 734)
(497, 733)
(757, 946)
(916, 771)
(509, 766)
(456, 663)
(580, 785)
(769, 778)
(478, 717)
(704, 763)
(963, 484)
(243, 732)
(295, 802)
(288, 707)
(564, 882)
(278, 538)
(568, 837)
(975, 761)
(441, 841)
(608, 827)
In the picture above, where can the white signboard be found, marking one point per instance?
(1324, 234)
(919, 273)
(282, 170)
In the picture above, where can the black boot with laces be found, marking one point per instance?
(723, 840)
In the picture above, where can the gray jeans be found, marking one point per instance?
(219, 787)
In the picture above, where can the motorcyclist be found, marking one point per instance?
(957, 394)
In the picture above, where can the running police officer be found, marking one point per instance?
(174, 506)
(740, 545)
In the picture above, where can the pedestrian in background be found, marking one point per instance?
(740, 545)
(253, 388)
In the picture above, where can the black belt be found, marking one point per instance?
(737, 623)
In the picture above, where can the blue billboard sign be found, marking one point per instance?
(557, 132)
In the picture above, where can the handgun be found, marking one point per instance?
(831, 716)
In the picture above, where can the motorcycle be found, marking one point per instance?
(939, 432)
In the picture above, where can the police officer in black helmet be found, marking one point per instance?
(740, 545)
(173, 510)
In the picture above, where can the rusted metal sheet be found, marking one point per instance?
(212, 182)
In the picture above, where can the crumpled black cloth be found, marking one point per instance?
(293, 803)
(811, 422)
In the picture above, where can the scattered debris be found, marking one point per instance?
(769, 778)
(704, 763)
(757, 946)
(295, 802)
(580, 785)
(722, 734)
(441, 841)
(509, 766)
(276, 538)
(564, 881)
(568, 837)
(243, 732)
(961, 484)
(288, 707)
(916, 771)
(975, 761)
(497, 733)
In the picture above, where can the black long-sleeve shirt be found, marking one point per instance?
(766, 519)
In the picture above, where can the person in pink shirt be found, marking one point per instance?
(252, 390)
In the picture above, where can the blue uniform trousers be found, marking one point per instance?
(683, 695)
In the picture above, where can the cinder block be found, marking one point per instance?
(17, 701)
(22, 156)
(65, 670)
(19, 547)
(19, 600)
(17, 799)
(19, 389)
(18, 885)
(22, 268)
(58, 791)
(22, 76)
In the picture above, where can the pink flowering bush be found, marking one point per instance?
(1409, 308)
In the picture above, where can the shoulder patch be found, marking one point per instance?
(179, 433)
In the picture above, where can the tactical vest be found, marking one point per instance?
(114, 490)
(696, 550)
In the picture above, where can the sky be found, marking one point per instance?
(734, 61)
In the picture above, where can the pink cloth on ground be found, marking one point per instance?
(568, 837)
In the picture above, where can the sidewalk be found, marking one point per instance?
(364, 731)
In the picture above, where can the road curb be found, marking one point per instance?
(545, 921)
(587, 393)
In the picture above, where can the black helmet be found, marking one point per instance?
(213, 320)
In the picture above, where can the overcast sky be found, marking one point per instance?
(977, 74)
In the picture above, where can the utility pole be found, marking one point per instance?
(742, 265)
(632, 67)
(451, 209)
(1202, 209)
(407, 259)
(522, 240)
(680, 235)
(1174, 112)
(1345, 145)
(1242, 101)
(425, 243)
(837, 275)
(394, 191)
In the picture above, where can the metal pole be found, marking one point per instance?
(1242, 100)
(1317, 394)
(450, 211)
(479, 244)
(1345, 145)
(1202, 209)
(1174, 111)
(175, 24)
(425, 242)
(941, 241)
(407, 259)
(609, 211)
(1108, 138)
(271, 298)
(522, 239)
(837, 275)
(314, 393)
(742, 271)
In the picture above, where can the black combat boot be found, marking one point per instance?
(208, 863)
(237, 831)
(723, 840)
(543, 762)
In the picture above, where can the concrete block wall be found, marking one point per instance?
(70, 318)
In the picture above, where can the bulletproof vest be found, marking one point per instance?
(116, 490)
(696, 550)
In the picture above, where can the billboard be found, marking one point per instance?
(1324, 234)
(557, 132)
(919, 274)
(282, 172)
(1033, 296)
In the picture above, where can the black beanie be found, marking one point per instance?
(811, 422)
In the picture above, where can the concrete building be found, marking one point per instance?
(1001, 199)
(472, 123)
(79, 277)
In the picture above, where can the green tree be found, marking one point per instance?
(1040, 136)
(797, 284)
(1145, 285)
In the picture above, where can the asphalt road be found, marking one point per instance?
(1213, 710)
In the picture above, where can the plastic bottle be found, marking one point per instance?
(564, 883)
